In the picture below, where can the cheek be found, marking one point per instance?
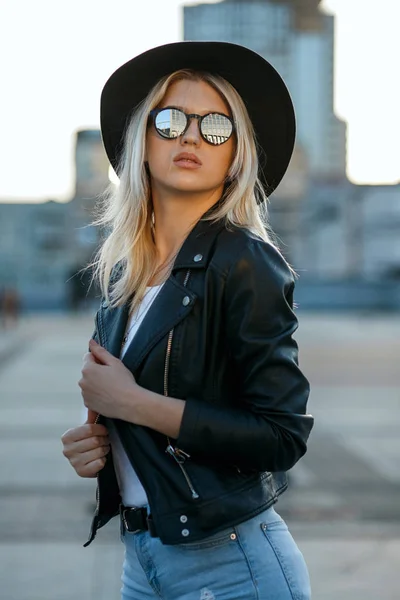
(156, 153)
(224, 158)
(151, 150)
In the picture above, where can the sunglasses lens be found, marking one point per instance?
(170, 123)
(216, 128)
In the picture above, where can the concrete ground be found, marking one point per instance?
(343, 506)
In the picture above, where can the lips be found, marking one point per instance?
(188, 159)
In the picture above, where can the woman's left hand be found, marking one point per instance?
(106, 384)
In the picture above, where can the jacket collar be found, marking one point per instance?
(196, 249)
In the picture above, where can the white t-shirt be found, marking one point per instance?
(131, 490)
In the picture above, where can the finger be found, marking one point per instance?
(88, 359)
(85, 458)
(83, 432)
(86, 445)
(91, 469)
(101, 353)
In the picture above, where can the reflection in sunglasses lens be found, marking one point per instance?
(170, 122)
(216, 128)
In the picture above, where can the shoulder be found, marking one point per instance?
(239, 254)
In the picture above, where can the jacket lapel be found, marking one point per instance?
(111, 326)
(172, 304)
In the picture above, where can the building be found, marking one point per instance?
(298, 39)
(343, 240)
(35, 243)
(378, 209)
(349, 231)
(44, 246)
(347, 252)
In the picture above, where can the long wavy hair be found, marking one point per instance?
(126, 210)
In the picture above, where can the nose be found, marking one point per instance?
(192, 133)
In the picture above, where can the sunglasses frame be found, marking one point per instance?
(156, 111)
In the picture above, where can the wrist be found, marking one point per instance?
(149, 409)
(133, 405)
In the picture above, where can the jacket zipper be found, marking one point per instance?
(95, 422)
(177, 454)
(94, 528)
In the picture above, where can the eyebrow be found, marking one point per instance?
(185, 110)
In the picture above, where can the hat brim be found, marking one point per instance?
(260, 86)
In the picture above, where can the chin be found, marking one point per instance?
(188, 185)
(194, 190)
(197, 185)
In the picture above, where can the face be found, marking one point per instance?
(174, 174)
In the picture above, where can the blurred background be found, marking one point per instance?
(337, 215)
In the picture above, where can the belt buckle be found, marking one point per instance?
(125, 522)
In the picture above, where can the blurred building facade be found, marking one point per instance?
(340, 237)
(44, 246)
(347, 252)
(343, 242)
(297, 38)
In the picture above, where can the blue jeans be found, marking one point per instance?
(256, 560)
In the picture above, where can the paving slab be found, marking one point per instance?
(343, 504)
(353, 569)
(60, 571)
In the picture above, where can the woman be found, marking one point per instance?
(193, 367)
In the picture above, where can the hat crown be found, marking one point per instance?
(262, 89)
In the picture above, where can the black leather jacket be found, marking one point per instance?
(218, 335)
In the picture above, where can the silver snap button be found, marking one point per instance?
(104, 304)
(233, 536)
(183, 519)
(186, 301)
(185, 532)
(198, 258)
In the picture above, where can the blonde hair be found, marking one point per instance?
(126, 210)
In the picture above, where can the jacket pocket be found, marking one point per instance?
(289, 557)
(217, 540)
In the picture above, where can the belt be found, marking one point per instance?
(135, 520)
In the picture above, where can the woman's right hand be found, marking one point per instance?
(86, 447)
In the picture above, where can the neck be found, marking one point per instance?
(175, 216)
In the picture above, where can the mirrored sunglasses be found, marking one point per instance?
(171, 122)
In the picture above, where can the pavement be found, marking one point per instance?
(343, 505)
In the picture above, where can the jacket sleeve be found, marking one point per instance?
(268, 428)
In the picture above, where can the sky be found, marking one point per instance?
(56, 56)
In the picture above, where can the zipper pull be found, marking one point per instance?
(179, 455)
(180, 459)
(182, 453)
(171, 451)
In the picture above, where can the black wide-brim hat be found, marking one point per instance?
(261, 87)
